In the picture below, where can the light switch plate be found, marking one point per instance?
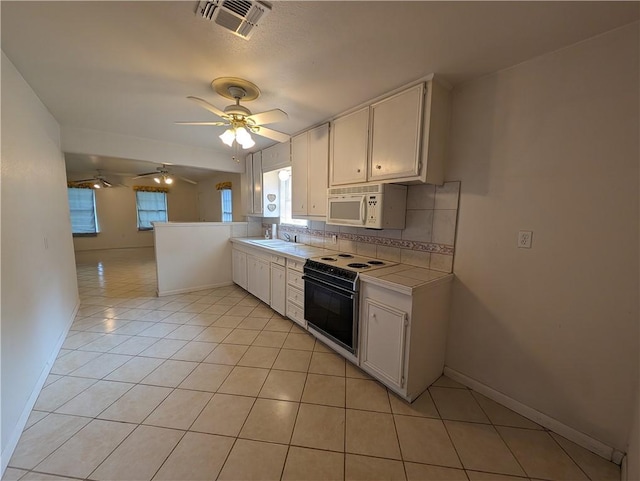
(524, 239)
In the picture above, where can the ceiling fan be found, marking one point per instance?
(98, 182)
(238, 119)
(163, 176)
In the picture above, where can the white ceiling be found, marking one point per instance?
(127, 67)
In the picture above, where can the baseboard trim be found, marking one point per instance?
(542, 419)
(193, 289)
(12, 443)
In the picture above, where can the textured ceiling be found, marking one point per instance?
(127, 67)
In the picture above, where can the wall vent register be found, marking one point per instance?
(240, 17)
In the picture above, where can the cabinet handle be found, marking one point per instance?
(358, 171)
(378, 167)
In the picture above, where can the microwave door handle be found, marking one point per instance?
(363, 210)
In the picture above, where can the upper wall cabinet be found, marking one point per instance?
(396, 128)
(309, 169)
(349, 148)
(276, 157)
(400, 138)
(254, 183)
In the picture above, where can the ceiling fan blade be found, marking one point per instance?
(144, 175)
(204, 104)
(106, 183)
(269, 117)
(186, 180)
(202, 123)
(271, 134)
(92, 179)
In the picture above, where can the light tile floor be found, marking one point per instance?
(215, 385)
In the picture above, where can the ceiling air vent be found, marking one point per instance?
(238, 16)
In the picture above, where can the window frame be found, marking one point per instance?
(226, 216)
(94, 211)
(165, 210)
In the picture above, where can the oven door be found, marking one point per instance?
(347, 210)
(332, 311)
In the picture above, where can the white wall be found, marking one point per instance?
(209, 202)
(39, 287)
(551, 145)
(116, 208)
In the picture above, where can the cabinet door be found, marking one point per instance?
(396, 128)
(278, 288)
(258, 278)
(299, 161)
(383, 341)
(276, 157)
(349, 148)
(318, 171)
(239, 268)
(248, 188)
(257, 182)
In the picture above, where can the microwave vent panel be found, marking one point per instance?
(240, 17)
(356, 189)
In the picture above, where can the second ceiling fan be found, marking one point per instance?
(163, 176)
(238, 119)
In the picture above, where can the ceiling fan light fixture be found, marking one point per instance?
(156, 180)
(243, 137)
(228, 137)
(168, 180)
(97, 185)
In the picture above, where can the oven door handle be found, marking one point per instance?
(329, 286)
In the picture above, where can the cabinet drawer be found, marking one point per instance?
(295, 295)
(295, 278)
(280, 260)
(295, 265)
(296, 314)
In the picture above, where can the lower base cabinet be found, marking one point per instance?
(278, 288)
(295, 292)
(258, 278)
(239, 267)
(403, 335)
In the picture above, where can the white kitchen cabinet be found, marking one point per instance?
(239, 267)
(255, 180)
(278, 284)
(396, 135)
(310, 170)
(299, 174)
(383, 341)
(295, 292)
(277, 156)
(397, 138)
(349, 148)
(403, 334)
(258, 278)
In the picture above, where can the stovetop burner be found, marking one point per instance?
(351, 262)
(358, 265)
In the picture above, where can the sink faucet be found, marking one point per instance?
(286, 236)
(266, 234)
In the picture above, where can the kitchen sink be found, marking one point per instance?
(270, 242)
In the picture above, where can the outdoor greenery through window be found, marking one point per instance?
(152, 207)
(82, 208)
(227, 206)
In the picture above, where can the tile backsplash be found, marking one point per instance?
(428, 239)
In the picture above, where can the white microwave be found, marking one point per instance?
(373, 206)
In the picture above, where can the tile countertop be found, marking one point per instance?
(402, 278)
(292, 250)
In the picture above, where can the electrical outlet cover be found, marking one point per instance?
(524, 239)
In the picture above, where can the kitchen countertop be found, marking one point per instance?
(292, 250)
(402, 278)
